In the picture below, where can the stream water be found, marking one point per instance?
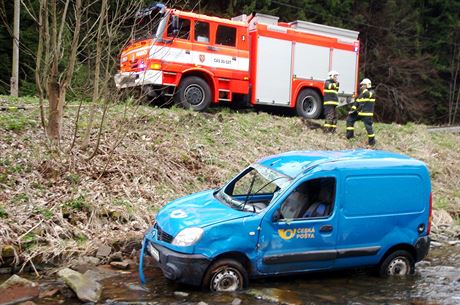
(437, 281)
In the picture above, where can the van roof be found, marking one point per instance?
(294, 162)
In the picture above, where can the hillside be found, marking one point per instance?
(56, 205)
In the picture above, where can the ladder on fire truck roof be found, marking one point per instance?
(300, 25)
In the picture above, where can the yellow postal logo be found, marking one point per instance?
(287, 234)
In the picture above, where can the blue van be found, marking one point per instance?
(297, 212)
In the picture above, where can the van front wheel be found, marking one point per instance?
(225, 275)
(398, 263)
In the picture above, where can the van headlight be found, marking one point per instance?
(187, 237)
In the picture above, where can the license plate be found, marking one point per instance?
(153, 252)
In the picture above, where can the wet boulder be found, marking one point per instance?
(87, 289)
(16, 289)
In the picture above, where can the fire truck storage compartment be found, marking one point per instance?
(273, 81)
(310, 61)
(345, 62)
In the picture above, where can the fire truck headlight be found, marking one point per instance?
(155, 66)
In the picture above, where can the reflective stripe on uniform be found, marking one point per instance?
(334, 126)
(363, 100)
(353, 107)
(371, 135)
(331, 103)
(330, 91)
(327, 125)
(350, 128)
(365, 113)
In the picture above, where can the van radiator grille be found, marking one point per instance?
(162, 235)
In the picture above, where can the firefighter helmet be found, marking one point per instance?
(332, 73)
(366, 82)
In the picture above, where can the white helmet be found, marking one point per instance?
(332, 73)
(366, 82)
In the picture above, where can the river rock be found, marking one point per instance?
(236, 301)
(116, 257)
(180, 294)
(269, 294)
(6, 270)
(442, 218)
(120, 265)
(48, 293)
(103, 251)
(16, 290)
(86, 288)
(8, 251)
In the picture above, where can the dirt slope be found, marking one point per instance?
(57, 205)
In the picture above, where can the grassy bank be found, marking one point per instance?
(58, 205)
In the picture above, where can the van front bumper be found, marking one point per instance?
(179, 267)
(422, 246)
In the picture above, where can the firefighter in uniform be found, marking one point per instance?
(363, 109)
(331, 101)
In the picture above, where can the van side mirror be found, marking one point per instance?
(276, 216)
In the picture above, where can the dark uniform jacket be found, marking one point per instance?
(364, 104)
(331, 90)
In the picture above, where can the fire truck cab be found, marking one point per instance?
(199, 60)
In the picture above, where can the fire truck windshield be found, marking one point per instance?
(150, 23)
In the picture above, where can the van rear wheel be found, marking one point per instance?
(225, 275)
(398, 263)
(193, 93)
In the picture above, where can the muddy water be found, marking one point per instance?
(437, 281)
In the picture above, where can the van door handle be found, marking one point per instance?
(213, 48)
(325, 229)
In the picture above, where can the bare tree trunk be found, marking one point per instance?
(57, 87)
(97, 70)
(38, 60)
(55, 113)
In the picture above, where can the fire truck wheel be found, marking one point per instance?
(309, 104)
(194, 93)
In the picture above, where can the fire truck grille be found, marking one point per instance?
(162, 235)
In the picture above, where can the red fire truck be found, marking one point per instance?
(200, 60)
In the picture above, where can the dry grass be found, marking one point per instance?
(57, 206)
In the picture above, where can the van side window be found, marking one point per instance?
(226, 36)
(183, 31)
(202, 32)
(311, 199)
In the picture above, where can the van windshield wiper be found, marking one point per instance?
(263, 186)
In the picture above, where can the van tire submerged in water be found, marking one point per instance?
(225, 275)
(398, 263)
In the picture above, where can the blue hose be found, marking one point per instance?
(141, 261)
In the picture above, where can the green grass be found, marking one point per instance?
(73, 178)
(77, 204)
(20, 198)
(81, 239)
(127, 206)
(441, 203)
(16, 121)
(46, 213)
(3, 213)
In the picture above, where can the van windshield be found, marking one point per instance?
(150, 23)
(253, 189)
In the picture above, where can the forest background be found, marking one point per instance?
(409, 49)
